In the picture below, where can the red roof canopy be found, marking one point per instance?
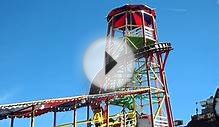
(130, 8)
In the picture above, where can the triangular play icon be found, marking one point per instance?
(109, 63)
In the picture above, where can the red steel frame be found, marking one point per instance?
(158, 57)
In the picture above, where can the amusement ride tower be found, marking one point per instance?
(143, 101)
(136, 26)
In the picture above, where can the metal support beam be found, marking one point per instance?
(150, 96)
(88, 115)
(143, 30)
(124, 116)
(159, 108)
(32, 117)
(12, 122)
(107, 114)
(75, 115)
(167, 100)
(54, 118)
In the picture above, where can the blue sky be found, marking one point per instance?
(42, 43)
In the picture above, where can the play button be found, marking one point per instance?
(109, 63)
(111, 66)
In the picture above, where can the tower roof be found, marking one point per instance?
(130, 8)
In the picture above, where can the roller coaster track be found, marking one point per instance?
(40, 107)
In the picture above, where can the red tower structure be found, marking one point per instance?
(136, 24)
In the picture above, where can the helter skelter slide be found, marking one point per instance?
(142, 102)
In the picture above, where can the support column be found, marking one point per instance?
(107, 114)
(143, 30)
(124, 116)
(32, 117)
(167, 99)
(74, 115)
(150, 94)
(12, 122)
(88, 115)
(54, 119)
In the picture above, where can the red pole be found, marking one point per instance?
(167, 100)
(150, 96)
